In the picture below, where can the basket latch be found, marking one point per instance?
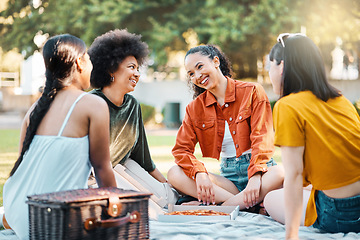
(115, 206)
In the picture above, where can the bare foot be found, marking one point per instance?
(262, 210)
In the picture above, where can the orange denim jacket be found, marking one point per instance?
(248, 113)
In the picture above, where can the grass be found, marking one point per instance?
(9, 143)
(157, 141)
(9, 140)
(160, 147)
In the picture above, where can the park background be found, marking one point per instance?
(244, 29)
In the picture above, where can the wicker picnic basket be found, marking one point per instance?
(98, 213)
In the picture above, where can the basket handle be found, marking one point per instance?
(92, 223)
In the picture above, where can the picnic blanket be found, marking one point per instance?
(245, 226)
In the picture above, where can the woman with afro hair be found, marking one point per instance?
(116, 57)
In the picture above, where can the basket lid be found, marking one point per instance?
(85, 195)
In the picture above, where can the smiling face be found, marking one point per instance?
(275, 74)
(127, 75)
(202, 71)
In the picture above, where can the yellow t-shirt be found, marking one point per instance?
(330, 132)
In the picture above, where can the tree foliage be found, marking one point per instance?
(243, 29)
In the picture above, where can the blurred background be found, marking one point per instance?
(244, 29)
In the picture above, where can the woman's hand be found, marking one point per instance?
(252, 191)
(205, 189)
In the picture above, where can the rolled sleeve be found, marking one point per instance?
(262, 133)
(184, 148)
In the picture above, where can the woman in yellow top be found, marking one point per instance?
(318, 131)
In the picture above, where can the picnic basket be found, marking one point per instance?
(94, 213)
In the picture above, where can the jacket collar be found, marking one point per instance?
(229, 93)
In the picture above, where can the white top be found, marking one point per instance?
(228, 147)
(52, 163)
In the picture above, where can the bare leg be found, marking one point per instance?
(271, 180)
(224, 183)
(274, 204)
(181, 182)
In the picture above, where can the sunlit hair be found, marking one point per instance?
(60, 53)
(304, 68)
(109, 50)
(210, 51)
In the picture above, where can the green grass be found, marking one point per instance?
(277, 155)
(9, 144)
(9, 140)
(155, 141)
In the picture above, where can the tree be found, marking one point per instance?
(328, 21)
(244, 29)
(22, 19)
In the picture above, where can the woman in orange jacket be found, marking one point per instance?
(229, 119)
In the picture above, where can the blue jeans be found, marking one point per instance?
(235, 169)
(337, 214)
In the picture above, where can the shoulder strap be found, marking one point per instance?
(69, 113)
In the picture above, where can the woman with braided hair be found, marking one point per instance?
(231, 119)
(63, 134)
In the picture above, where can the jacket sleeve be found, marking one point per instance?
(184, 148)
(262, 132)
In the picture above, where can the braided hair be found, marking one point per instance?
(60, 53)
(210, 51)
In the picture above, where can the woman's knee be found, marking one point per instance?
(272, 197)
(274, 204)
(273, 179)
(278, 169)
(276, 174)
(174, 174)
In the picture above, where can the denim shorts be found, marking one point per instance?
(337, 214)
(236, 169)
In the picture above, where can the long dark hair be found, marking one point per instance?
(210, 51)
(60, 54)
(303, 68)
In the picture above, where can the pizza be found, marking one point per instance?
(199, 212)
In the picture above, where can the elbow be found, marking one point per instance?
(292, 178)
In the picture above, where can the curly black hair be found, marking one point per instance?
(109, 50)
